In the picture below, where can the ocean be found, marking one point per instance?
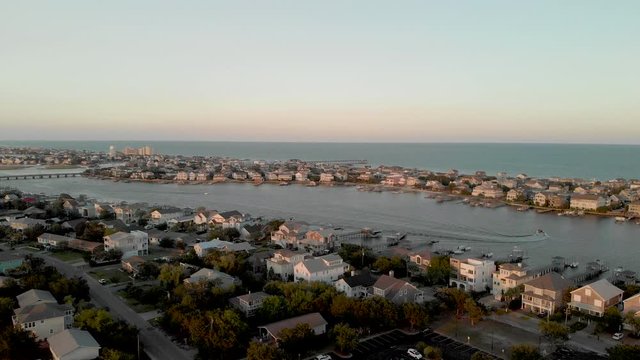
(602, 162)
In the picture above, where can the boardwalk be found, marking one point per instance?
(39, 176)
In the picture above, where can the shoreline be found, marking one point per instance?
(438, 196)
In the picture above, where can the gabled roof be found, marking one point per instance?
(313, 320)
(35, 296)
(365, 279)
(603, 288)
(41, 311)
(252, 297)
(551, 281)
(70, 340)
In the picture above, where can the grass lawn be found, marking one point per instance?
(112, 275)
(67, 256)
(134, 304)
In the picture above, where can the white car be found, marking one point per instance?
(102, 281)
(414, 354)
(617, 336)
(323, 357)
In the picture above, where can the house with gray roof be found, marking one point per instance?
(35, 296)
(397, 291)
(249, 303)
(73, 344)
(595, 298)
(44, 319)
(327, 268)
(544, 294)
(271, 332)
(221, 279)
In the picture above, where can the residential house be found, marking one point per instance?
(182, 176)
(250, 232)
(421, 258)
(544, 294)
(129, 214)
(356, 286)
(160, 216)
(85, 246)
(132, 264)
(40, 314)
(203, 248)
(326, 178)
(632, 305)
(327, 269)
(396, 290)
(131, 244)
(471, 274)
(250, 303)
(229, 219)
(595, 298)
(634, 208)
(26, 223)
(53, 240)
(559, 201)
(73, 344)
(283, 261)
(509, 276)
(289, 234)
(317, 239)
(488, 190)
(516, 195)
(221, 279)
(542, 198)
(315, 321)
(587, 202)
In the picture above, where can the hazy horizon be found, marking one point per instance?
(361, 71)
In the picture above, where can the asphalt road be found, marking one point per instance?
(157, 345)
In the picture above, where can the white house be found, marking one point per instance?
(160, 216)
(327, 268)
(40, 314)
(249, 303)
(73, 344)
(221, 279)
(131, 244)
(282, 262)
(471, 274)
(358, 286)
(587, 202)
(53, 240)
(203, 248)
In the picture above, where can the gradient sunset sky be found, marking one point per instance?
(408, 71)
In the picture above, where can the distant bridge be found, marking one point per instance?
(354, 162)
(39, 176)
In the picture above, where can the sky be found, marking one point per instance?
(331, 70)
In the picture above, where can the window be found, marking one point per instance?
(597, 303)
(577, 298)
(587, 292)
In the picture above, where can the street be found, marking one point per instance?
(157, 345)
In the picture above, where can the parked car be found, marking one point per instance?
(102, 281)
(323, 357)
(414, 353)
(617, 336)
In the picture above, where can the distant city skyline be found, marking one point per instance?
(329, 71)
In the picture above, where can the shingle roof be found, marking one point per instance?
(313, 320)
(41, 311)
(551, 281)
(66, 342)
(364, 279)
(605, 289)
(35, 296)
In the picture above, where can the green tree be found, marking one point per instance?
(633, 320)
(416, 315)
(95, 319)
(170, 275)
(554, 331)
(512, 294)
(457, 298)
(481, 356)
(273, 308)
(439, 270)
(432, 353)
(113, 354)
(6, 310)
(612, 319)
(525, 352)
(624, 352)
(383, 264)
(18, 344)
(263, 351)
(345, 337)
(475, 311)
(296, 340)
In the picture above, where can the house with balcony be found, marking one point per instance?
(509, 276)
(283, 261)
(544, 294)
(327, 269)
(471, 274)
(595, 298)
(587, 202)
(161, 216)
(632, 305)
(488, 190)
(356, 286)
(421, 258)
(250, 303)
(131, 244)
(396, 290)
(289, 234)
(634, 208)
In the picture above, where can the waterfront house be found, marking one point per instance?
(509, 276)
(421, 258)
(542, 198)
(40, 314)
(471, 274)
(302, 176)
(317, 239)
(327, 269)
(536, 184)
(131, 244)
(595, 298)
(488, 190)
(559, 201)
(544, 294)
(160, 216)
(326, 178)
(202, 248)
(515, 195)
(222, 280)
(130, 213)
(289, 234)
(250, 303)
(229, 219)
(634, 208)
(587, 202)
(239, 175)
(632, 305)
(202, 176)
(73, 344)
(315, 321)
(356, 286)
(396, 290)
(250, 232)
(282, 262)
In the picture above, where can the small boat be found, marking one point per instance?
(206, 193)
(487, 255)
(574, 264)
(458, 252)
(540, 232)
(621, 219)
(284, 183)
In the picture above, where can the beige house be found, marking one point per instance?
(541, 199)
(249, 303)
(471, 274)
(634, 208)
(544, 294)
(73, 344)
(421, 258)
(40, 314)
(282, 262)
(327, 269)
(508, 276)
(315, 321)
(488, 190)
(396, 290)
(587, 202)
(131, 244)
(595, 298)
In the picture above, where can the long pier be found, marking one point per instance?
(39, 176)
(353, 162)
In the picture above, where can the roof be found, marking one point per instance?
(35, 296)
(385, 282)
(70, 340)
(252, 296)
(49, 237)
(41, 311)
(84, 245)
(365, 279)
(313, 320)
(551, 281)
(210, 275)
(228, 214)
(604, 288)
